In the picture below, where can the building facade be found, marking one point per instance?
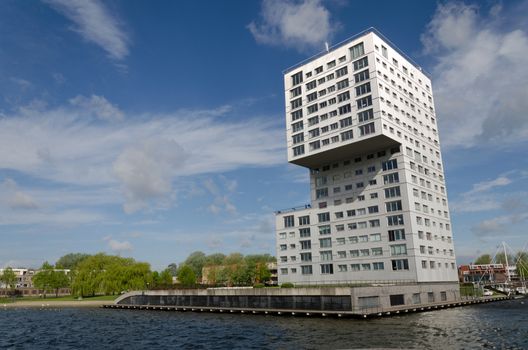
(360, 117)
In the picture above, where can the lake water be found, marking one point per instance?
(500, 325)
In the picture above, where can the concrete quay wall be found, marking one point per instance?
(354, 300)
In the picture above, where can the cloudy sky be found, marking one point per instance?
(152, 129)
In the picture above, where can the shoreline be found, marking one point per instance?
(42, 304)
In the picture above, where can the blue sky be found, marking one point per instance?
(153, 129)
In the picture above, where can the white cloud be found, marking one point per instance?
(221, 196)
(14, 198)
(146, 171)
(298, 24)
(480, 75)
(143, 158)
(118, 246)
(96, 24)
(99, 107)
(479, 197)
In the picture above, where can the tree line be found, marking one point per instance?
(219, 269)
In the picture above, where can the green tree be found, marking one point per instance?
(186, 276)
(483, 260)
(196, 261)
(173, 269)
(108, 274)
(522, 264)
(70, 261)
(165, 278)
(501, 259)
(47, 278)
(8, 278)
(216, 259)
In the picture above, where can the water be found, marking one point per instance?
(500, 325)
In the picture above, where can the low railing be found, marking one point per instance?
(344, 283)
(288, 210)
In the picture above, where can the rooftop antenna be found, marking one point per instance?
(327, 46)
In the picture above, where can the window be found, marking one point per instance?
(343, 96)
(306, 256)
(289, 221)
(378, 266)
(392, 192)
(399, 249)
(311, 97)
(304, 220)
(400, 264)
(357, 51)
(318, 69)
(364, 102)
(362, 63)
(311, 85)
(373, 209)
(377, 251)
(297, 78)
(395, 220)
(315, 145)
(304, 232)
(375, 237)
(394, 206)
(365, 267)
(323, 217)
(345, 122)
(342, 268)
(296, 103)
(354, 267)
(367, 129)
(298, 150)
(384, 51)
(306, 244)
(374, 223)
(389, 164)
(297, 138)
(306, 269)
(345, 109)
(313, 120)
(361, 76)
(362, 89)
(295, 92)
(326, 255)
(341, 71)
(364, 252)
(342, 84)
(363, 238)
(283, 246)
(313, 108)
(321, 193)
(397, 299)
(391, 178)
(296, 115)
(327, 269)
(340, 241)
(347, 135)
(396, 235)
(297, 126)
(365, 115)
(325, 242)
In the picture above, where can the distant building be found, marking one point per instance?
(486, 273)
(24, 282)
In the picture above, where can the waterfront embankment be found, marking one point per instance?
(56, 303)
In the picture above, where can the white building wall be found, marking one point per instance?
(404, 130)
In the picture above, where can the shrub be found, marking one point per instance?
(287, 285)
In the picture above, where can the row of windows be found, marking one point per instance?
(401, 264)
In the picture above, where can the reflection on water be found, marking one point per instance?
(502, 325)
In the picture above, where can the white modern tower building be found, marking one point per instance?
(360, 118)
